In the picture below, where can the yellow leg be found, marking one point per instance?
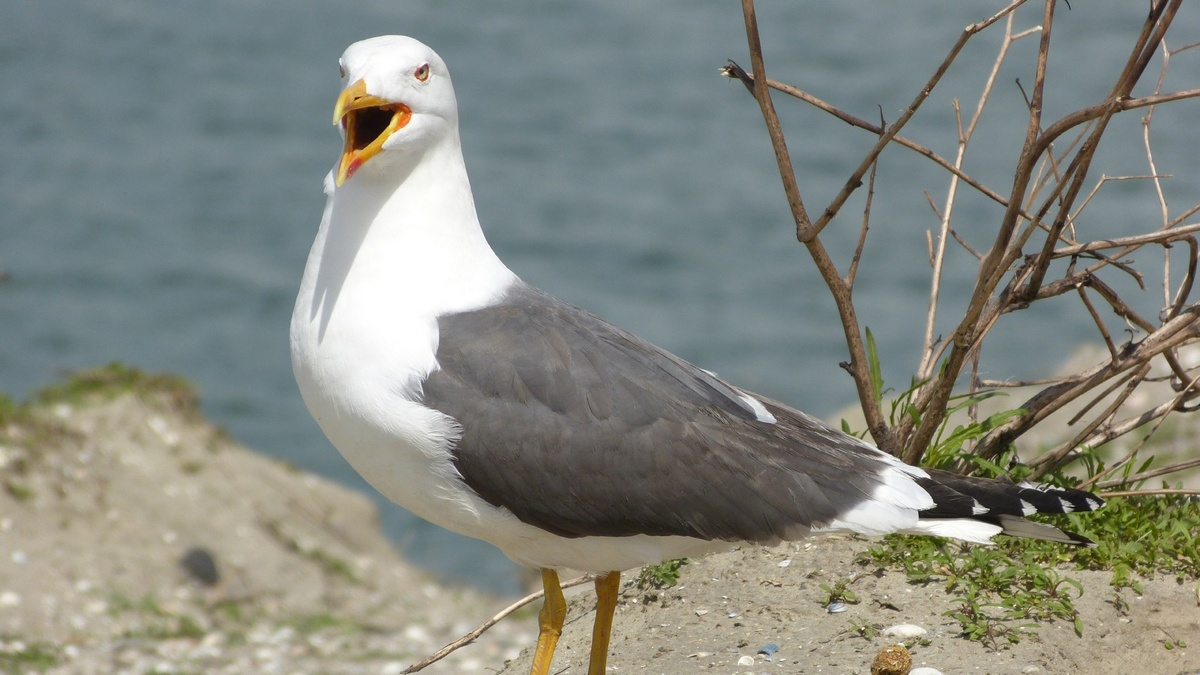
(550, 623)
(606, 604)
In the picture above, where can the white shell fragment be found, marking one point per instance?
(904, 631)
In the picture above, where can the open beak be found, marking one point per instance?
(369, 121)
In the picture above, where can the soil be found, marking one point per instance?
(729, 606)
(104, 498)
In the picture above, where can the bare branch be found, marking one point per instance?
(483, 628)
(804, 229)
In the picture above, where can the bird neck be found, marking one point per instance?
(417, 238)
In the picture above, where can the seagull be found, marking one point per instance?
(498, 411)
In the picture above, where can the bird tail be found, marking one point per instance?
(975, 509)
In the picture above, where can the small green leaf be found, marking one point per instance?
(874, 369)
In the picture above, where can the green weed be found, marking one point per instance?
(660, 576)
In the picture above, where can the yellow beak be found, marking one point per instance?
(368, 121)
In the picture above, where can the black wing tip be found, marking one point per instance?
(1055, 499)
(1007, 504)
(1080, 540)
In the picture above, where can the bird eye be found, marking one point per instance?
(422, 72)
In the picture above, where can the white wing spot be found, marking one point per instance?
(760, 411)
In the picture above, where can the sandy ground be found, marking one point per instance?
(102, 501)
(729, 606)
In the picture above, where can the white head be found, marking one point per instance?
(396, 101)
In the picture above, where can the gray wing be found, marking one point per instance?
(582, 429)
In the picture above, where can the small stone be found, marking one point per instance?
(701, 612)
(201, 566)
(892, 660)
(785, 562)
(924, 670)
(746, 661)
(1031, 669)
(904, 631)
(9, 599)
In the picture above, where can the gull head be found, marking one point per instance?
(396, 99)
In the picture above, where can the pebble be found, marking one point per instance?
(9, 599)
(904, 631)
(924, 670)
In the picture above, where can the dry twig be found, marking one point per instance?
(1039, 226)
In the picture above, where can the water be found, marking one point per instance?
(163, 162)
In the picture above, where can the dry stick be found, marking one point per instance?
(1185, 286)
(962, 242)
(1171, 334)
(483, 627)
(1080, 439)
(931, 399)
(862, 234)
(1130, 381)
(1148, 493)
(1137, 447)
(735, 71)
(925, 369)
(1189, 278)
(992, 264)
(855, 180)
(1118, 101)
(1104, 180)
(1108, 341)
(807, 234)
(1179, 466)
(804, 228)
(1041, 382)
(1077, 172)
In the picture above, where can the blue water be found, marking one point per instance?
(162, 165)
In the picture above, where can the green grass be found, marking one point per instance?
(18, 491)
(18, 657)
(1004, 591)
(661, 576)
(116, 379)
(327, 561)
